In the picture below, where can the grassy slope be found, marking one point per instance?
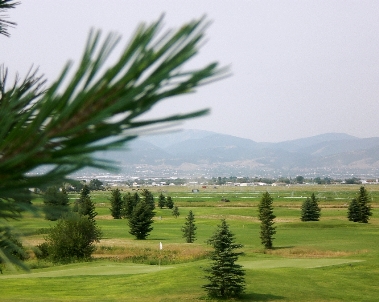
(284, 274)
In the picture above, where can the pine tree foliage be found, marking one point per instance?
(56, 203)
(189, 228)
(175, 212)
(60, 126)
(161, 201)
(310, 211)
(86, 207)
(359, 208)
(169, 202)
(353, 212)
(11, 248)
(141, 220)
(148, 198)
(225, 276)
(5, 24)
(266, 216)
(96, 184)
(129, 202)
(116, 204)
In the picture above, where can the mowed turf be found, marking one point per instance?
(329, 260)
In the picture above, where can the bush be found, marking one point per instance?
(72, 239)
(42, 251)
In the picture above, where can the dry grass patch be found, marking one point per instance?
(305, 252)
(146, 254)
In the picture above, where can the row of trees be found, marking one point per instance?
(359, 211)
(226, 277)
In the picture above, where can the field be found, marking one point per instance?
(329, 260)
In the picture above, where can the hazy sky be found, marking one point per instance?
(299, 68)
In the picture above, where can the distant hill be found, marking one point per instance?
(195, 152)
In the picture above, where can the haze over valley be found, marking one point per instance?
(197, 153)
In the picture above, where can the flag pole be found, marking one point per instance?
(160, 248)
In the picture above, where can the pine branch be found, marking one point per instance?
(52, 128)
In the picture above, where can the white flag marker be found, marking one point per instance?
(160, 245)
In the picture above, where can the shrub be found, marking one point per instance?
(72, 239)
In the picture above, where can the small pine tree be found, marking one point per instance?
(226, 277)
(56, 203)
(141, 220)
(189, 228)
(129, 202)
(86, 207)
(161, 201)
(175, 212)
(116, 204)
(359, 209)
(310, 211)
(148, 197)
(353, 212)
(169, 202)
(266, 216)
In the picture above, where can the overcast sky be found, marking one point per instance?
(299, 68)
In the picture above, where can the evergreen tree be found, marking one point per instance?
(359, 209)
(148, 197)
(116, 204)
(189, 228)
(86, 207)
(95, 184)
(175, 212)
(266, 216)
(161, 201)
(56, 203)
(129, 203)
(353, 212)
(225, 276)
(310, 211)
(169, 202)
(141, 220)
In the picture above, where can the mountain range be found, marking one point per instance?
(190, 153)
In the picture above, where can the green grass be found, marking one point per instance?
(329, 260)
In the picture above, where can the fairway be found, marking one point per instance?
(94, 269)
(328, 260)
